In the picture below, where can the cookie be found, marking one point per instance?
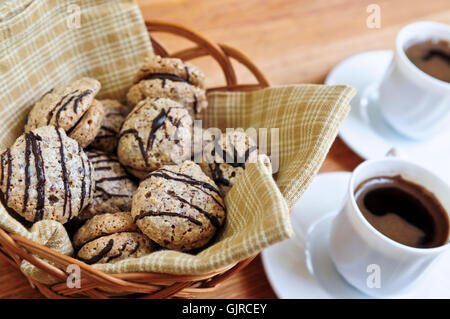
(85, 130)
(178, 207)
(46, 175)
(170, 78)
(115, 247)
(157, 132)
(191, 97)
(114, 188)
(172, 69)
(64, 105)
(225, 158)
(102, 225)
(107, 136)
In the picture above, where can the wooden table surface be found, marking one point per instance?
(292, 42)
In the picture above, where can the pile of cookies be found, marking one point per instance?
(124, 173)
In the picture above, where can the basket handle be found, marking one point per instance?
(220, 52)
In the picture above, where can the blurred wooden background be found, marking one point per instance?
(292, 41)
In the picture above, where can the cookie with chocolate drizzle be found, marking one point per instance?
(178, 69)
(157, 132)
(179, 207)
(114, 188)
(170, 78)
(102, 225)
(226, 156)
(46, 175)
(115, 247)
(66, 106)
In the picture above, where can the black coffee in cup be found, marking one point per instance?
(403, 211)
(432, 57)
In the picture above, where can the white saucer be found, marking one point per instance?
(301, 268)
(366, 133)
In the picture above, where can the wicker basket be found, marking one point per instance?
(94, 283)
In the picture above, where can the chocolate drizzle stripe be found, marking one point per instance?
(101, 234)
(213, 219)
(80, 99)
(83, 181)
(171, 214)
(108, 160)
(157, 122)
(47, 93)
(76, 124)
(139, 140)
(27, 170)
(90, 178)
(110, 179)
(62, 108)
(67, 192)
(8, 179)
(125, 244)
(195, 103)
(55, 107)
(210, 195)
(165, 76)
(3, 168)
(103, 168)
(40, 173)
(135, 249)
(100, 255)
(159, 173)
(191, 180)
(113, 257)
(187, 74)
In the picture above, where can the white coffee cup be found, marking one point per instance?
(369, 260)
(412, 102)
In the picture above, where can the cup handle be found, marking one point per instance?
(301, 228)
